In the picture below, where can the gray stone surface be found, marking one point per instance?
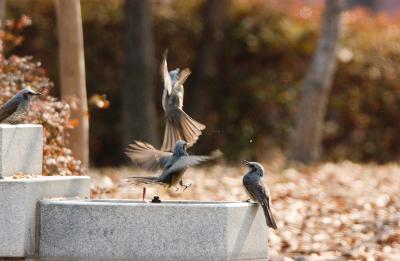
(131, 230)
(21, 149)
(18, 204)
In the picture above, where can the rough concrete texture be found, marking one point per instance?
(21, 149)
(118, 229)
(18, 202)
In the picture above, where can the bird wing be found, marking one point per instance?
(8, 108)
(187, 161)
(183, 75)
(145, 156)
(165, 74)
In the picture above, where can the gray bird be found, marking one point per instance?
(253, 183)
(173, 165)
(179, 125)
(15, 109)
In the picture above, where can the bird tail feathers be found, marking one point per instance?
(268, 216)
(181, 126)
(143, 181)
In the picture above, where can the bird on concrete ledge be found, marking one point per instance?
(254, 186)
(179, 125)
(173, 164)
(16, 108)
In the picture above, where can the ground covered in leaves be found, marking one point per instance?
(342, 211)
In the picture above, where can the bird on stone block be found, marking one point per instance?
(16, 108)
(173, 164)
(253, 184)
(179, 125)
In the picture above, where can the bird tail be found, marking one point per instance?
(268, 215)
(181, 126)
(143, 181)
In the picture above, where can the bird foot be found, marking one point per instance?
(186, 186)
(247, 200)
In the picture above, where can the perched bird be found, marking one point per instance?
(179, 125)
(173, 165)
(254, 186)
(15, 109)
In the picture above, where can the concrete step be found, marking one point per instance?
(134, 230)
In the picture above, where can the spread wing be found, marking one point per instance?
(165, 74)
(188, 161)
(8, 108)
(183, 75)
(145, 156)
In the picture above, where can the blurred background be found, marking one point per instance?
(249, 60)
(311, 88)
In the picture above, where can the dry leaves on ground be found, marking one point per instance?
(342, 211)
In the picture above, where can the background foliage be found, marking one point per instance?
(267, 48)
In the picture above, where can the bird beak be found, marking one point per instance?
(36, 93)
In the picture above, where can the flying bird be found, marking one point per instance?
(16, 108)
(179, 125)
(254, 186)
(173, 164)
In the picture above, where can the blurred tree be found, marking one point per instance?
(3, 6)
(306, 143)
(2, 23)
(206, 69)
(368, 3)
(138, 108)
(72, 74)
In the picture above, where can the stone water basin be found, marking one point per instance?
(135, 230)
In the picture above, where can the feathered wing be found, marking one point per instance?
(188, 161)
(180, 126)
(263, 198)
(8, 108)
(183, 75)
(145, 156)
(165, 74)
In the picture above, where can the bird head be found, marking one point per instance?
(254, 167)
(27, 93)
(175, 74)
(180, 145)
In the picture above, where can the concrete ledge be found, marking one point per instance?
(18, 201)
(21, 149)
(174, 230)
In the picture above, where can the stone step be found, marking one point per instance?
(21, 149)
(134, 230)
(18, 205)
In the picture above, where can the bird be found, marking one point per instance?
(173, 164)
(179, 125)
(16, 108)
(253, 184)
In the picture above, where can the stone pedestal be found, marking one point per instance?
(21, 149)
(18, 205)
(131, 230)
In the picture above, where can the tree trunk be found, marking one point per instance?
(138, 115)
(306, 142)
(3, 5)
(72, 74)
(206, 69)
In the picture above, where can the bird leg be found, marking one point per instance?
(183, 185)
(144, 195)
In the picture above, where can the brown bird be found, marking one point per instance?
(173, 165)
(254, 186)
(179, 125)
(16, 108)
